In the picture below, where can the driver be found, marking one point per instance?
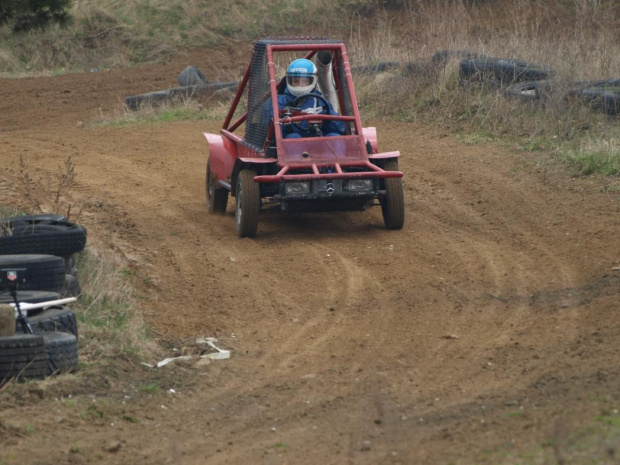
(301, 79)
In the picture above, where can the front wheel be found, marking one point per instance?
(217, 197)
(393, 204)
(247, 204)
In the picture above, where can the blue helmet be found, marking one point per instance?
(301, 77)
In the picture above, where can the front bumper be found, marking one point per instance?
(328, 189)
(359, 170)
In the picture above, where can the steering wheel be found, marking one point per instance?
(303, 97)
(298, 102)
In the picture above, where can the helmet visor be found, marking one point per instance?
(300, 81)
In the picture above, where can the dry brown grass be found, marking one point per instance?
(110, 325)
(578, 39)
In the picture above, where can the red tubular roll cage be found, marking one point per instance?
(340, 53)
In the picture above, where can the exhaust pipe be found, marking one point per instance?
(326, 78)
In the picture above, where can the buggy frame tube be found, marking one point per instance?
(233, 107)
(373, 172)
(337, 48)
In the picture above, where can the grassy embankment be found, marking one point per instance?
(111, 34)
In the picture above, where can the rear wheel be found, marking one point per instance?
(393, 204)
(217, 197)
(247, 204)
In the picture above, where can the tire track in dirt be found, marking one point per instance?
(505, 255)
(344, 284)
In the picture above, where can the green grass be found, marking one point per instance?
(152, 387)
(109, 323)
(592, 444)
(167, 112)
(596, 155)
(7, 212)
(475, 139)
(536, 144)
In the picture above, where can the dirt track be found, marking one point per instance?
(352, 344)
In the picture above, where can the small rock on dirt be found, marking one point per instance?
(114, 447)
(203, 362)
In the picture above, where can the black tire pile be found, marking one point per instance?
(192, 82)
(534, 82)
(44, 246)
(516, 78)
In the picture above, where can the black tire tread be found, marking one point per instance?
(393, 205)
(52, 238)
(219, 201)
(22, 355)
(54, 319)
(46, 218)
(43, 272)
(62, 350)
(192, 76)
(503, 71)
(72, 287)
(249, 193)
(525, 90)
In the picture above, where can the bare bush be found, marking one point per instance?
(48, 192)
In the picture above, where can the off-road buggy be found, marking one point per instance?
(260, 167)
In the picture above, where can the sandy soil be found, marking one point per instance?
(461, 339)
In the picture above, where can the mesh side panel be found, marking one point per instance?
(259, 97)
(257, 123)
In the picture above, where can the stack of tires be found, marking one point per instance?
(43, 247)
(533, 82)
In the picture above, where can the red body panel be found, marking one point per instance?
(222, 156)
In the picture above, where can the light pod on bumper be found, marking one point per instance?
(359, 185)
(292, 188)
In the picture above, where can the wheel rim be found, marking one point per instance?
(211, 188)
(239, 204)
